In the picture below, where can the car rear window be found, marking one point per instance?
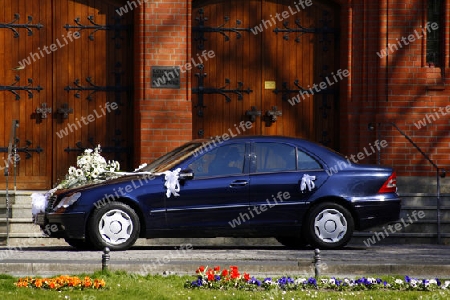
(306, 162)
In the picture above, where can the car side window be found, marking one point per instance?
(306, 162)
(273, 157)
(221, 161)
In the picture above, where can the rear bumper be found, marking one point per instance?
(376, 211)
(70, 225)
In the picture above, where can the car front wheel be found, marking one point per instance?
(329, 226)
(114, 225)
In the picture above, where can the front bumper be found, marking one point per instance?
(69, 225)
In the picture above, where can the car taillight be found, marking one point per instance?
(390, 185)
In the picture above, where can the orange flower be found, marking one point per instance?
(59, 282)
(38, 283)
(98, 283)
(22, 283)
(74, 282)
(87, 282)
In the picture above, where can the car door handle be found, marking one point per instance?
(237, 183)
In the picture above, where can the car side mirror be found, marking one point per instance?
(187, 174)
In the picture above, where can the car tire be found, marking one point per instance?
(292, 242)
(329, 226)
(80, 244)
(114, 225)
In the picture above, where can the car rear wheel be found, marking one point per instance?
(114, 225)
(329, 226)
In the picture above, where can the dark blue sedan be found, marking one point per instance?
(292, 189)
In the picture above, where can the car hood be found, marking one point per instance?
(125, 179)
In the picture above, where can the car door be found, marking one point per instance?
(276, 189)
(216, 199)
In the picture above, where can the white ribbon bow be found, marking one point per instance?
(172, 184)
(307, 182)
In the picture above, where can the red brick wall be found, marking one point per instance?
(162, 116)
(399, 88)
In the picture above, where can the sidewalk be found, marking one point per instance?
(184, 258)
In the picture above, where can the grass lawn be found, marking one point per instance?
(120, 285)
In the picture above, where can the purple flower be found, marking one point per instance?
(266, 280)
(312, 281)
(197, 283)
(253, 280)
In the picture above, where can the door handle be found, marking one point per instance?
(238, 183)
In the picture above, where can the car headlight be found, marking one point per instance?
(68, 201)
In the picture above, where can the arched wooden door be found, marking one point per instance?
(275, 63)
(66, 76)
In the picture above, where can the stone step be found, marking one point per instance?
(23, 197)
(422, 199)
(429, 211)
(21, 211)
(23, 225)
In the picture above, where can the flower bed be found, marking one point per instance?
(61, 283)
(214, 278)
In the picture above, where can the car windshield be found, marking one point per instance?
(171, 159)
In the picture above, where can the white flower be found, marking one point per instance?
(72, 170)
(433, 281)
(79, 172)
(100, 160)
(348, 281)
(332, 281)
(398, 281)
(324, 281)
(82, 161)
(88, 151)
(95, 173)
(300, 280)
(446, 284)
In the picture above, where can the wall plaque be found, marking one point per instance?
(270, 85)
(165, 77)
